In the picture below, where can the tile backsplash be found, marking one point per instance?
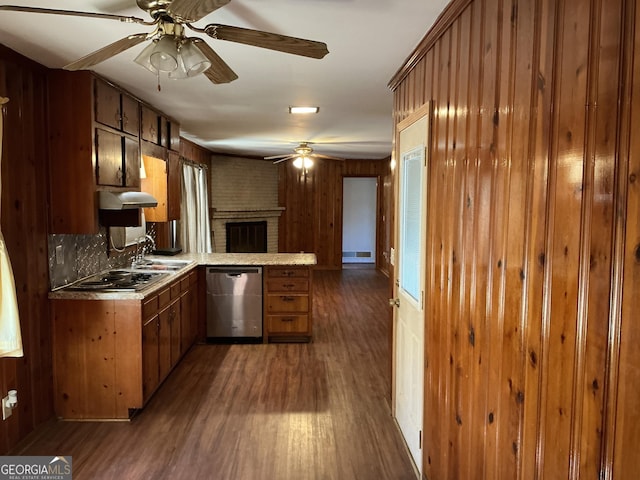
(80, 256)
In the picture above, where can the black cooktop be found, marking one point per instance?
(117, 281)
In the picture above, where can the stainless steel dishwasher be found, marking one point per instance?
(234, 303)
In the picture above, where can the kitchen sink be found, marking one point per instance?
(160, 264)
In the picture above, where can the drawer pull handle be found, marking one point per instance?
(288, 319)
(288, 299)
(288, 285)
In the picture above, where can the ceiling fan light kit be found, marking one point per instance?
(302, 157)
(303, 162)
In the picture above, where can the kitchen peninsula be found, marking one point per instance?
(113, 349)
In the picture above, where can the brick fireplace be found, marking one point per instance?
(243, 191)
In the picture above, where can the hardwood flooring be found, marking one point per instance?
(279, 411)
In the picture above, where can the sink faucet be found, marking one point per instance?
(140, 252)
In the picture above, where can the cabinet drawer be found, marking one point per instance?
(293, 284)
(164, 298)
(184, 283)
(288, 324)
(287, 303)
(287, 272)
(175, 290)
(149, 307)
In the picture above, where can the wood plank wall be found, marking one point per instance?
(312, 219)
(194, 152)
(533, 285)
(24, 226)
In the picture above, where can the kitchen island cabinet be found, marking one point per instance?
(110, 355)
(287, 303)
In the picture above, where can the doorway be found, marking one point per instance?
(409, 279)
(359, 218)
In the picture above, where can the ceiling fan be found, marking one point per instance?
(302, 157)
(171, 50)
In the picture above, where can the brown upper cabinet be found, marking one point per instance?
(159, 130)
(163, 182)
(116, 109)
(94, 139)
(150, 127)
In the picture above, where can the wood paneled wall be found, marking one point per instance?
(533, 285)
(312, 219)
(24, 226)
(194, 152)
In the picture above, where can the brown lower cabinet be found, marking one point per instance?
(287, 303)
(110, 356)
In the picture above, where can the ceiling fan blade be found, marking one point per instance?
(72, 13)
(273, 157)
(272, 41)
(288, 157)
(328, 157)
(107, 52)
(193, 10)
(219, 71)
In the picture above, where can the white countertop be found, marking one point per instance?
(196, 259)
(247, 258)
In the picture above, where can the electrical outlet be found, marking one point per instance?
(59, 255)
(6, 411)
(9, 403)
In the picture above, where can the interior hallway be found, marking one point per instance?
(278, 411)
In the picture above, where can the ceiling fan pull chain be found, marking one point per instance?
(158, 75)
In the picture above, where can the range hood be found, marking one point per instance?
(125, 200)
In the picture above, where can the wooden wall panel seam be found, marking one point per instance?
(579, 378)
(627, 74)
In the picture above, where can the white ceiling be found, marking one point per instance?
(368, 41)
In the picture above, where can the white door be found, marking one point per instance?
(409, 282)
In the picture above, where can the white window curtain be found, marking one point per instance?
(195, 232)
(10, 337)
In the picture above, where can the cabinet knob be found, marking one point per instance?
(394, 302)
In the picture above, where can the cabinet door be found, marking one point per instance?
(174, 136)
(164, 132)
(107, 104)
(131, 162)
(150, 367)
(130, 115)
(149, 125)
(108, 158)
(164, 348)
(175, 321)
(174, 182)
(155, 184)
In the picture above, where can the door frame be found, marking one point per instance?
(424, 110)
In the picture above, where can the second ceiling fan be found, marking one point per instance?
(302, 156)
(171, 50)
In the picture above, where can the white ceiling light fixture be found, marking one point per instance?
(303, 110)
(303, 162)
(175, 55)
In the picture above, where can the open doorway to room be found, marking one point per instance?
(359, 221)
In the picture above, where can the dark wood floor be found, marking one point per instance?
(278, 411)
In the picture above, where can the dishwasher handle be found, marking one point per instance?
(234, 272)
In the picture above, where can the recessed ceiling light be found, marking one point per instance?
(304, 109)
